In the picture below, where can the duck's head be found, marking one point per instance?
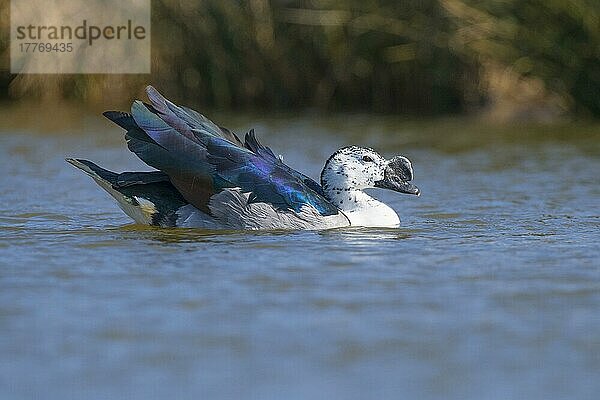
(357, 168)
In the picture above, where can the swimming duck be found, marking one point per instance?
(208, 178)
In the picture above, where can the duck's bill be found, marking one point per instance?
(398, 185)
(397, 178)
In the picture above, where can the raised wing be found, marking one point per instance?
(251, 142)
(202, 159)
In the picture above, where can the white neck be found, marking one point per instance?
(363, 210)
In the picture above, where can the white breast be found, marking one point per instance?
(376, 214)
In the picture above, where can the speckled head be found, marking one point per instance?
(356, 168)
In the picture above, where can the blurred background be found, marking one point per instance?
(489, 289)
(502, 60)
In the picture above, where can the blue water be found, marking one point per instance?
(489, 289)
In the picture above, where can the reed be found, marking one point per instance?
(509, 59)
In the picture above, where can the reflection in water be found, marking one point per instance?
(495, 265)
(357, 236)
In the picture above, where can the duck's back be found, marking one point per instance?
(149, 198)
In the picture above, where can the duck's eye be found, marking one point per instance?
(367, 159)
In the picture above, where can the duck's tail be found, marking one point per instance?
(148, 198)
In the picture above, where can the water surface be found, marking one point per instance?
(489, 289)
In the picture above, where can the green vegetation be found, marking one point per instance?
(511, 59)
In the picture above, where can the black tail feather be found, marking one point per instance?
(150, 193)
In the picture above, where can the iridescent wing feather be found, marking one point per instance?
(203, 159)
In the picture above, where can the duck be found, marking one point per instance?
(206, 177)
